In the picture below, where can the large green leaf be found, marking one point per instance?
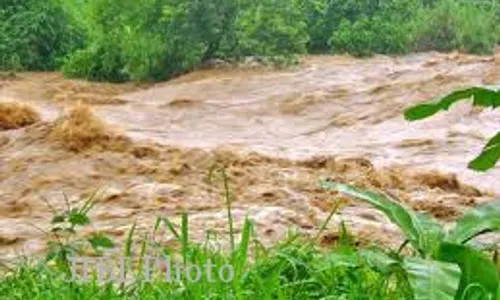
(486, 97)
(378, 260)
(477, 269)
(432, 280)
(488, 157)
(481, 219)
(423, 232)
(431, 233)
(481, 97)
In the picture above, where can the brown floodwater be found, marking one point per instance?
(277, 132)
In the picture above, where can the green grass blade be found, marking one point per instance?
(227, 197)
(242, 254)
(185, 236)
(327, 221)
(171, 227)
(129, 241)
(142, 255)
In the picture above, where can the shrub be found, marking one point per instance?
(370, 35)
(453, 25)
(116, 41)
(157, 39)
(270, 28)
(318, 29)
(365, 27)
(102, 57)
(36, 35)
(97, 62)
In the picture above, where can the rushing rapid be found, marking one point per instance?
(277, 132)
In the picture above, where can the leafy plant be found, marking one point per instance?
(439, 249)
(37, 35)
(63, 243)
(117, 41)
(367, 27)
(480, 96)
(271, 28)
(450, 24)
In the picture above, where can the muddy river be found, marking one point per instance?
(276, 132)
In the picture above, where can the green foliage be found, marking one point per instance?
(97, 62)
(482, 97)
(483, 219)
(158, 39)
(479, 273)
(294, 269)
(102, 58)
(37, 35)
(432, 280)
(319, 29)
(63, 243)
(271, 27)
(117, 41)
(366, 27)
(436, 245)
(463, 25)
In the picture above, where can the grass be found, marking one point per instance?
(15, 115)
(295, 269)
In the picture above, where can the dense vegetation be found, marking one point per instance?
(157, 39)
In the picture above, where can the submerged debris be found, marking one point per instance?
(17, 115)
(80, 130)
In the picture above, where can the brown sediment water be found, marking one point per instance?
(277, 132)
